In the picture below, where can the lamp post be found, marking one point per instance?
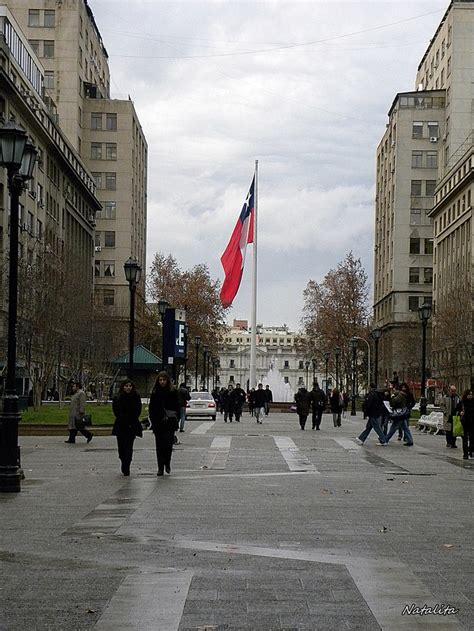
(197, 344)
(186, 333)
(313, 361)
(353, 344)
(17, 156)
(162, 306)
(376, 335)
(307, 364)
(209, 360)
(205, 350)
(356, 337)
(424, 313)
(326, 359)
(132, 274)
(337, 350)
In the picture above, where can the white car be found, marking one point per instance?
(201, 404)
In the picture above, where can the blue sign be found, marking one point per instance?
(174, 335)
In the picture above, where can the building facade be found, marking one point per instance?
(429, 132)
(276, 350)
(106, 133)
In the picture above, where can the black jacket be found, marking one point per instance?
(374, 406)
(237, 398)
(162, 399)
(303, 401)
(127, 409)
(260, 398)
(318, 398)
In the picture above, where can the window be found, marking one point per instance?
(111, 181)
(430, 186)
(287, 364)
(33, 17)
(98, 179)
(431, 159)
(30, 222)
(111, 151)
(413, 302)
(414, 275)
(417, 159)
(433, 130)
(231, 363)
(96, 151)
(48, 48)
(96, 268)
(109, 239)
(428, 275)
(428, 246)
(111, 122)
(96, 120)
(287, 379)
(415, 188)
(109, 297)
(415, 216)
(300, 364)
(34, 43)
(109, 210)
(414, 246)
(49, 79)
(49, 19)
(417, 130)
(97, 238)
(109, 268)
(39, 229)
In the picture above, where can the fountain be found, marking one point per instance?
(281, 391)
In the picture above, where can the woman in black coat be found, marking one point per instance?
(164, 413)
(467, 420)
(335, 403)
(127, 407)
(303, 405)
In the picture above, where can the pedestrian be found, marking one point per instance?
(451, 405)
(260, 401)
(251, 401)
(345, 403)
(269, 399)
(164, 412)
(410, 403)
(467, 420)
(400, 415)
(374, 408)
(127, 407)
(318, 403)
(385, 413)
(303, 405)
(335, 403)
(183, 398)
(77, 412)
(228, 403)
(237, 399)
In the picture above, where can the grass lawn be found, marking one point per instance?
(53, 415)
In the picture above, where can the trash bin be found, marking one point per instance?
(23, 402)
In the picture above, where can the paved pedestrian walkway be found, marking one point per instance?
(261, 527)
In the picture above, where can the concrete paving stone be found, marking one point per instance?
(296, 608)
(202, 594)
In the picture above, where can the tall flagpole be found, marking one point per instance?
(253, 321)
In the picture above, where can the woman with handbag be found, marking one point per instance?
(163, 413)
(127, 407)
(77, 412)
(467, 420)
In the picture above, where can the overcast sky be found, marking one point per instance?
(304, 87)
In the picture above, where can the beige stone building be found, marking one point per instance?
(57, 212)
(421, 149)
(106, 132)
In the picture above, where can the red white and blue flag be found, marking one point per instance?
(233, 259)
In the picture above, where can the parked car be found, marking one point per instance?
(201, 404)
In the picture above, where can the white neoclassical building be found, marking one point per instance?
(276, 350)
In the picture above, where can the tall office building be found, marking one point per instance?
(106, 132)
(428, 132)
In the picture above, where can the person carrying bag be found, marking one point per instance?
(164, 413)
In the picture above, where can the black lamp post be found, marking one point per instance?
(132, 274)
(217, 364)
(162, 306)
(326, 359)
(197, 344)
(376, 335)
(186, 333)
(337, 351)
(209, 361)
(18, 157)
(313, 361)
(307, 364)
(424, 313)
(205, 350)
(353, 343)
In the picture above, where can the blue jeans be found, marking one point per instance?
(182, 417)
(403, 425)
(373, 424)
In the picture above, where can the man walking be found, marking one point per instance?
(451, 405)
(77, 411)
(260, 402)
(318, 402)
(374, 409)
(268, 400)
(183, 398)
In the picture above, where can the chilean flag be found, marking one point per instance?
(233, 259)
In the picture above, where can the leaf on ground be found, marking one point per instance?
(448, 545)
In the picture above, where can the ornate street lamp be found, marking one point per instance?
(353, 344)
(205, 350)
(337, 351)
(326, 359)
(133, 272)
(18, 157)
(162, 306)
(209, 360)
(376, 334)
(197, 344)
(307, 365)
(424, 313)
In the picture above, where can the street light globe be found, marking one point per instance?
(162, 306)
(12, 145)
(354, 342)
(424, 312)
(28, 162)
(132, 271)
(376, 334)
